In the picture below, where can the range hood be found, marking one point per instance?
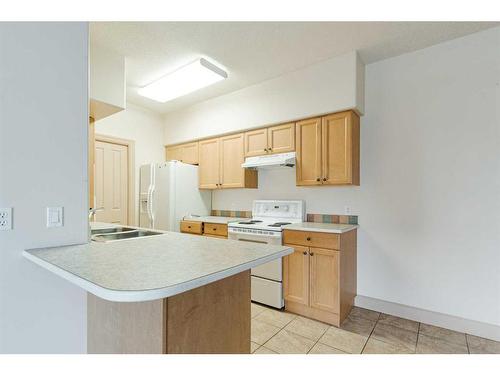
(270, 161)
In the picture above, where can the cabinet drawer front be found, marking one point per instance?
(313, 239)
(216, 229)
(194, 227)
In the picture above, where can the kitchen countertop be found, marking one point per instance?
(149, 268)
(214, 219)
(321, 227)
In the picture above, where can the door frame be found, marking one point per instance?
(130, 144)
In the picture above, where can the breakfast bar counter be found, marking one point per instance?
(168, 293)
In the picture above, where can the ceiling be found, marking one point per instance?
(252, 52)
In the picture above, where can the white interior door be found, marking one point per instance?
(111, 182)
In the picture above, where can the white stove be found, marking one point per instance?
(269, 217)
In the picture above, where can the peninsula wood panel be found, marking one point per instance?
(256, 142)
(281, 138)
(209, 164)
(296, 276)
(340, 148)
(211, 319)
(308, 149)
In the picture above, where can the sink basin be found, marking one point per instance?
(111, 230)
(133, 233)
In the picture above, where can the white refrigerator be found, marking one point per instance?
(168, 192)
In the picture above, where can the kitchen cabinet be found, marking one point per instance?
(320, 282)
(220, 164)
(208, 170)
(328, 150)
(204, 228)
(186, 153)
(271, 140)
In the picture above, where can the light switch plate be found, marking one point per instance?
(6, 218)
(55, 217)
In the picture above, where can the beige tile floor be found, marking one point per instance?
(364, 331)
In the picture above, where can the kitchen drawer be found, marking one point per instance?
(194, 227)
(313, 239)
(215, 229)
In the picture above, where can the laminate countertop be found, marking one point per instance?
(321, 227)
(149, 268)
(215, 219)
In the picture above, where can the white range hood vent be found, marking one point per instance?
(270, 161)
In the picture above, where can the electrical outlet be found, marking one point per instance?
(347, 210)
(6, 218)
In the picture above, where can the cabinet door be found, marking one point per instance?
(256, 142)
(209, 164)
(324, 279)
(174, 153)
(190, 153)
(308, 148)
(340, 149)
(232, 175)
(281, 138)
(296, 276)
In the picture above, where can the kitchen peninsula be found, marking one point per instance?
(168, 293)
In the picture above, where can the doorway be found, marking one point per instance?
(114, 180)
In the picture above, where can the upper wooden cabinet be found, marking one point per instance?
(187, 153)
(208, 170)
(328, 150)
(220, 164)
(272, 140)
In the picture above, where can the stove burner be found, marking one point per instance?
(279, 224)
(250, 222)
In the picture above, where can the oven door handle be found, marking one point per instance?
(245, 240)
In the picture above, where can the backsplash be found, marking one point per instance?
(334, 219)
(314, 218)
(227, 213)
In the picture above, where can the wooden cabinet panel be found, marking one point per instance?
(296, 276)
(256, 142)
(174, 153)
(213, 229)
(316, 239)
(281, 138)
(232, 175)
(308, 148)
(209, 164)
(324, 279)
(189, 153)
(194, 227)
(337, 148)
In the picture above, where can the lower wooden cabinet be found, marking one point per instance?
(320, 282)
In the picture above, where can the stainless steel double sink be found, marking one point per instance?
(119, 233)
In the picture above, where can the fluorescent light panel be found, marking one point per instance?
(182, 81)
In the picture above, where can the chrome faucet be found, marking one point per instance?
(92, 212)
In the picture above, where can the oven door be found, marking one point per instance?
(271, 270)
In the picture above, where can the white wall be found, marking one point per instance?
(145, 128)
(43, 162)
(329, 86)
(429, 200)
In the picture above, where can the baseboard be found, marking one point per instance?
(472, 327)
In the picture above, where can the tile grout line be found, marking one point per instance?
(370, 335)
(281, 329)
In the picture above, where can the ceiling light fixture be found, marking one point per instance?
(189, 78)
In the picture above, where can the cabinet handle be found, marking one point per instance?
(214, 228)
(324, 178)
(265, 150)
(311, 254)
(189, 226)
(305, 253)
(270, 149)
(318, 179)
(308, 238)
